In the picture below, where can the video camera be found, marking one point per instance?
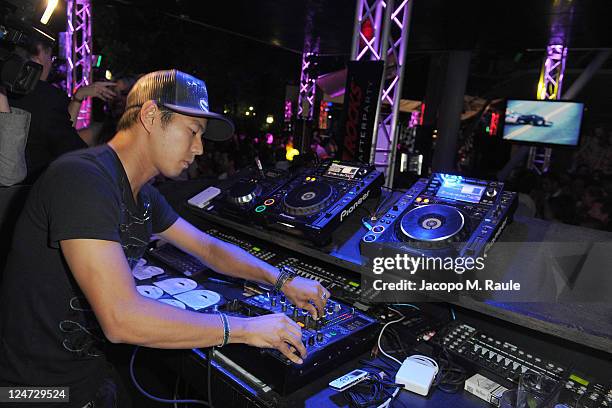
(17, 28)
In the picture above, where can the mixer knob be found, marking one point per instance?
(337, 307)
(307, 320)
(283, 299)
(311, 340)
(295, 313)
(319, 324)
(273, 301)
(283, 307)
(319, 337)
(491, 192)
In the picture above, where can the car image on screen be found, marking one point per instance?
(550, 122)
(534, 120)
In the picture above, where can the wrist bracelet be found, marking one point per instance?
(280, 280)
(286, 274)
(226, 329)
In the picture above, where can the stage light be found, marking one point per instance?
(251, 108)
(422, 115)
(269, 119)
(108, 75)
(247, 113)
(51, 4)
(492, 128)
(291, 153)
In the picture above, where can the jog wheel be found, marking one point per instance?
(433, 223)
(308, 198)
(243, 193)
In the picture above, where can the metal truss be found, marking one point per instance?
(549, 87)
(539, 159)
(389, 25)
(551, 76)
(79, 53)
(306, 96)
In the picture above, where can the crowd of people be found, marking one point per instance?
(581, 194)
(221, 160)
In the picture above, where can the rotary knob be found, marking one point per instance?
(491, 192)
(243, 192)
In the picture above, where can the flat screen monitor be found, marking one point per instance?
(548, 122)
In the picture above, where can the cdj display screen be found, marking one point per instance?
(470, 193)
(342, 171)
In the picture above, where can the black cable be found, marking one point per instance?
(373, 391)
(451, 376)
(377, 389)
(383, 202)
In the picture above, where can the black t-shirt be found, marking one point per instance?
(51, 132)
(48, 334)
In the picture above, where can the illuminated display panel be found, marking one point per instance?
(471, 193)
(342, 171)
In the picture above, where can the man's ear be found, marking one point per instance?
(147, 115)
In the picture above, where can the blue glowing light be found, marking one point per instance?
(450, 178)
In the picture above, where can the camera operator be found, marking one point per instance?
(52, 131)
(14, 124)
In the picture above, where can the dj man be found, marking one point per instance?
(68, 285)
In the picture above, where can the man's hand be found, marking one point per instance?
(307, 294)
(100, 90)
(276, 331)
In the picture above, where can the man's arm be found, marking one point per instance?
(4, 105)
(220, 256)
(230, 260)
(100, 90)
(102, 273)
(14, 127)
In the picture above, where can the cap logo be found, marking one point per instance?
(204, 104)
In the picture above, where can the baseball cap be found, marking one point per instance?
(181, 93)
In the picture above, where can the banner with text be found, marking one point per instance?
(360, 99)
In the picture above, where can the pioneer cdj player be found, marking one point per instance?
(445, 215)
(245, 191)
(318, 199)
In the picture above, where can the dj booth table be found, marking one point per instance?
(585, 326)
(316, 394)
